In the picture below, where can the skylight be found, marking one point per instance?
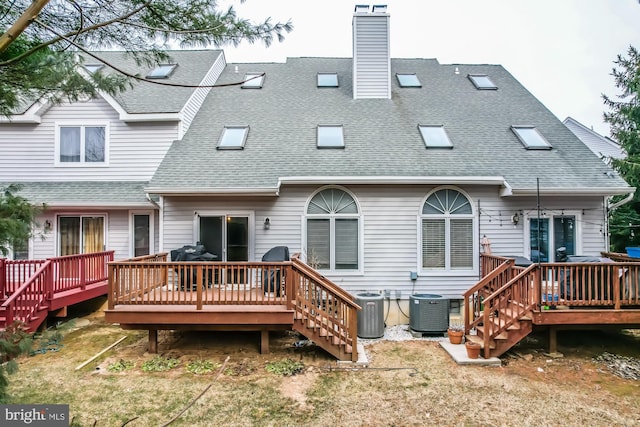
(92, 68)
(327, 80)
(408, 80)
(233, 138)
(435, 136)
(253, 80)
(531, 138)
(330, 137)
(162, 71)
(482, 81)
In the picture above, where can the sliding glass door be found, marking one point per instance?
(80, 234)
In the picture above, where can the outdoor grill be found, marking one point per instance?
(272, 277)
(191, 253)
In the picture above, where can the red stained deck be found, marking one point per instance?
(31, 289)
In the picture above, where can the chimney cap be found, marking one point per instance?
(379, 8)
(362, 8)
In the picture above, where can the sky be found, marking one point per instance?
(562, 51)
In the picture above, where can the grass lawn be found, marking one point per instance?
(407, 383)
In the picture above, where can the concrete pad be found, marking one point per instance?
(363, 360)
(458, 353)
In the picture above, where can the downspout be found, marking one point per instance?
(611, 208)
(152, 201)
(160, 224)
(621, 202)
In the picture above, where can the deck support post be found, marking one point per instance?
(153, 341)
(264, 341)
(553, 340)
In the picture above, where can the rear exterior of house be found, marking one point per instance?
(384, 174)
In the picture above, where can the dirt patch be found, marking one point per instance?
(409, 383)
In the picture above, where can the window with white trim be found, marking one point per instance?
(20, 249)
(447, 231)
(85, 145)
(333, 230)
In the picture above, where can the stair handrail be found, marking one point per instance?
(44, 295)
(472, 304)
(321, 279)
(523, 300)
(345, 328)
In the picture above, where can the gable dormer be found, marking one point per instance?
(371, 56)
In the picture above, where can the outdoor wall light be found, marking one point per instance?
(515, 219)
(47, 226)
(267, 223)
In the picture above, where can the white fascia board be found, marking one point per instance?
(380, 180)
(32, 115)
(169, 191)
(613, 191)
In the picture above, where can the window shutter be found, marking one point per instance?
(318, 243)
(433, 243)
(346, 244)
(461, 244)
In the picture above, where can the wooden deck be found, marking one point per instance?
(32, 289)
(154, 294)
(509, 301)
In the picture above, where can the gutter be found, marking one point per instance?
(624, 201)
(151, 201)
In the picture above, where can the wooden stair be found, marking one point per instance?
(315, 328)
(518, 328)
(33, 322)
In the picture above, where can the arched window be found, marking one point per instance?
(333, 224)
(447, 231)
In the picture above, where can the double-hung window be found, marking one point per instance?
(447, 232)
(84, 145)
(333, 231)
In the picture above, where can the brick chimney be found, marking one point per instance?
(371, 58)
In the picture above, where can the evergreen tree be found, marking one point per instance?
(41, 40)
(17, 218)
(624, 119)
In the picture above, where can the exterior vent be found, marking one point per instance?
(371, 57)
(428, 313)
(371, 317)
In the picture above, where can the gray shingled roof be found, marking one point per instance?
(122, 194)
(381, 136)
(144, 97)
(151, 98)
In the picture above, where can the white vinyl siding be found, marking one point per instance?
(197, 98)
(371, 60)
(28, 152)
(390, 243)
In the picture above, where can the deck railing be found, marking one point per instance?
(29, 298)
(549, 286)
(321, 304)
(30, 285)
(148, 282)
(319, 300)
(15, 272)
(78, 271)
